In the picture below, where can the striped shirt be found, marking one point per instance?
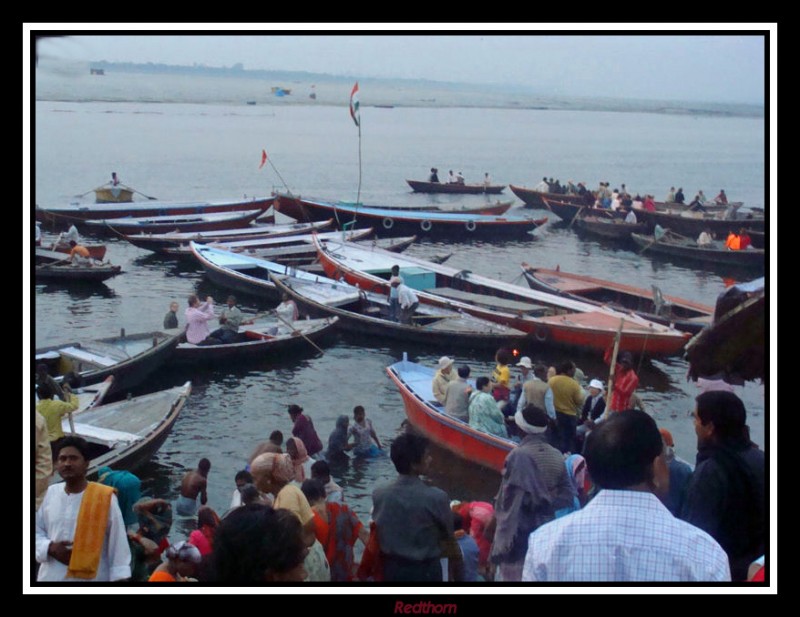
(623, 536)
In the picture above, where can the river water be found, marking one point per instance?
(182, 151)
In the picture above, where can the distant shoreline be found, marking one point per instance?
(64, 81)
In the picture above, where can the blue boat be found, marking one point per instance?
(397, 221)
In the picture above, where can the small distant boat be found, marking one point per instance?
(651, 304)
(674, 245)
(126, 434)
(428, 417)
(129, 358)
(176, 223)
(113, 195)
(422, 186)
(260, 340)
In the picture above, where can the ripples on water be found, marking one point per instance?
(196, 152)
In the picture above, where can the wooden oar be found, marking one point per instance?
(617, 339)
(577, 214)
(87, 192)
(653, 241)
(130, 188)
(312, 343)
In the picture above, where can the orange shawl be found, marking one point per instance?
(90, 531)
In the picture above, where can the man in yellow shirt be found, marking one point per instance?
(568, 401)
(53, 410)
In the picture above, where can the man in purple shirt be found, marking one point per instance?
(303, 429)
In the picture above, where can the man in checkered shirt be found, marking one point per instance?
(625, 534)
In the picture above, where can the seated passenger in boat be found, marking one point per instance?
(484, 414)
(705, 238)
(434, 177)
(744, 240)
(79, 254)
(456, 398)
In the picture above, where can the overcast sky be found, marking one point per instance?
(706, 66)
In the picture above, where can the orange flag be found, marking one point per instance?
(263, 158)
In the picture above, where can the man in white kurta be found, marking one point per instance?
(56, 522)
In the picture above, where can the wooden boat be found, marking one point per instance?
(214, 221)
(77, 212)
(96, 250)
(55, 266)
(421, 186)
(611, 228)
(757, 238)
(368, 313)
(126, 434)
(674, 245)
(693, 223)
(129, 358)
(569, 210)
(734, 344)
(428, 417)
(550, 319)
(178, 242)
(283, 245)
(267, 337)
(453, 225)
(240, 272)
(496, 209)
(113, 195)
(686, 223)
(535, 199)
(651, 304)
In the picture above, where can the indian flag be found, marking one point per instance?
(354, 105)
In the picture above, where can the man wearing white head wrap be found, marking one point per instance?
(534, 490)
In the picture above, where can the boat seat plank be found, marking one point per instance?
(87, 356)
(489, 301)
(95, 433)
(571, 286)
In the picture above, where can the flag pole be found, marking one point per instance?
(358, 196)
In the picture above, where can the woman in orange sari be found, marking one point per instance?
(337, 528)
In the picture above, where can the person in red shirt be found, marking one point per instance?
(625, 381)
(744, 239)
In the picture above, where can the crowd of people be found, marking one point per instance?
(621, 199)
(586, 465)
